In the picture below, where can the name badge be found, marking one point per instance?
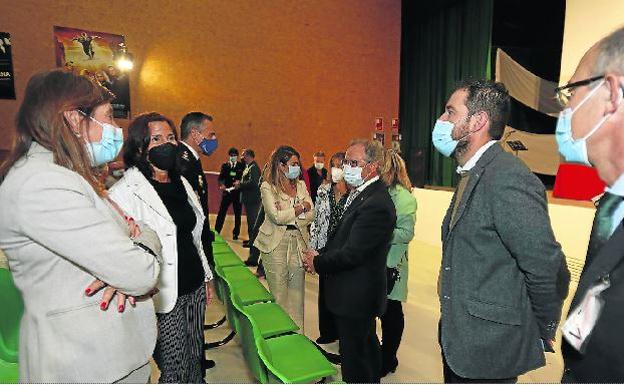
(232, 173)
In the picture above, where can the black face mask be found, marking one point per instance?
(164, 156)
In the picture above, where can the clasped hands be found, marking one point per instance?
(308, 260)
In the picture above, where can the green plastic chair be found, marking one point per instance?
(10, 318)
(269, 317)
(241, 280)
(287, 358)
(218, 238)
(307, 366)
(228, 258)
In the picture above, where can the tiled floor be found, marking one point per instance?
(419, 354)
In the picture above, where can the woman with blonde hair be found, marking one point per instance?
(60, 232)
(283, 236)
(395, 177)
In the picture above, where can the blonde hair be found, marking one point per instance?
(272, 173)
(394, 172)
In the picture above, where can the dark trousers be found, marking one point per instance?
(254, 253)
(227, 198)
(392, 324)
(327, 326)
(252, 209)
(207, 237)
(360, 352)
(451, 378)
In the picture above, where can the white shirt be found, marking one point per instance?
(367, 183)
(617, 189)
(191, 149)
(475, 158)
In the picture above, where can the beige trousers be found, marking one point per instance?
(286, 276)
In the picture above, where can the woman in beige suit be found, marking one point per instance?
(60, 232)
(283, 236)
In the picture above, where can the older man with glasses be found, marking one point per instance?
(354, 263)
(590, 131)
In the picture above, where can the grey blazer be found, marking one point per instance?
(58, 236)
(503, 276)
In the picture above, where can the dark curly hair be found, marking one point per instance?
(490, 97)
(135, 148)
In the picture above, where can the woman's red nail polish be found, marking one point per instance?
(103, 305)
(88, 291)
(120, 308)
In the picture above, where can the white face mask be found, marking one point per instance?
(319, 166)
(337, 174)
(353, 175)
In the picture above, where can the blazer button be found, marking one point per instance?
(447, 268)
(446, 297)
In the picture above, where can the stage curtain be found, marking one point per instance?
(441, 43)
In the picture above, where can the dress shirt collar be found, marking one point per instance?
(367, 183)
(191, 149)
(618, 187)
(475, 158)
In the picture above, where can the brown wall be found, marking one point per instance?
(310, 73)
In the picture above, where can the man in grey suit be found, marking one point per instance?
(503, 276)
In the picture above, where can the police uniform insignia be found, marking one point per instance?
(200, 181)
(185, 155)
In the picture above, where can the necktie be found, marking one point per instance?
(603, 222)
(350, 199)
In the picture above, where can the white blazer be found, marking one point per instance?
(58, 235)
(137, 197)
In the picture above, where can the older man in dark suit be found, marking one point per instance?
(354, 262)
(591, 131)
(503, 276)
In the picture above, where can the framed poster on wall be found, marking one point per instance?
(91, 54)
(7, 83)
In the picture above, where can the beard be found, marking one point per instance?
(464, 144)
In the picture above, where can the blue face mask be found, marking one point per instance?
(575, 150)
(107, 149)
(353, 175)
(208, 146)
(442, 137)
(293, 172)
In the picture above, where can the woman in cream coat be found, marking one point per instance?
(283, 236)
(60, 232)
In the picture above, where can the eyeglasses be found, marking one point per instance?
(351, 162)
(564, 93)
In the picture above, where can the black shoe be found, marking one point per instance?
(235, 237)
(246, 245)
(322, 340)
(249, 262)
(389, 368)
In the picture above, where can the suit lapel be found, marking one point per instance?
(144, 191)
(364, 195)
(475, 176)
(607, 259)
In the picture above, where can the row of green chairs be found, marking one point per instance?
(271, 347)
(11, 310)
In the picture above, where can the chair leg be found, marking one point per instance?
(215, 325)
(216, 344)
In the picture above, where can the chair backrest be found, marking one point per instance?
(247, 332)
(12, 308)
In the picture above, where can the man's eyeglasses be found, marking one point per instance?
(350, 162)
(564, 93)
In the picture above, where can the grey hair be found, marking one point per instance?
(610, 54)
(192, 120)
(373, 151)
